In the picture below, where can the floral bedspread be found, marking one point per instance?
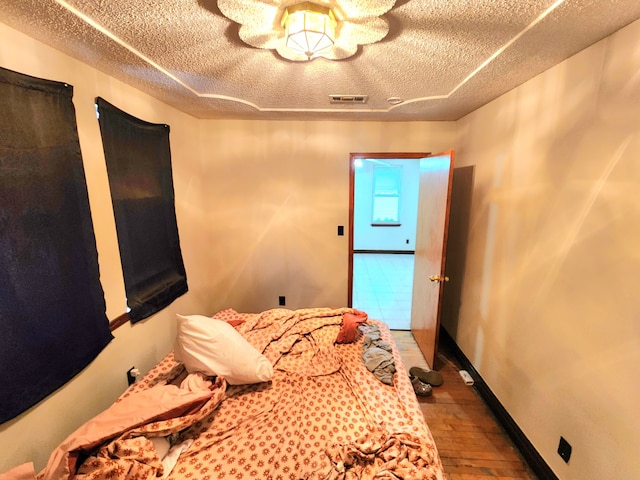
(322, 416)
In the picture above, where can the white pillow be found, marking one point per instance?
(214, 347)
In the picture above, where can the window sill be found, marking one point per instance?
(119, 321)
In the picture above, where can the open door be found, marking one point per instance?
(436, 176)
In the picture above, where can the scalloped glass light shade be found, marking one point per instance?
(309, 29)
(331, 29)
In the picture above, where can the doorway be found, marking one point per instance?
(383, 286)
(381, 268)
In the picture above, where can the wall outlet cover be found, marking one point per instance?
(564, 450)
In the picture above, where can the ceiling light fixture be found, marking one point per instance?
(310, 29)
(331, 29)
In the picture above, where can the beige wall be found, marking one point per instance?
(273, 195)
(258, 205)
(550, 311)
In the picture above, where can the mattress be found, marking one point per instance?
(323, 415)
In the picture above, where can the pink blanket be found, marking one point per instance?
(115, 444)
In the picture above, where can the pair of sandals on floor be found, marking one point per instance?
(423, 380)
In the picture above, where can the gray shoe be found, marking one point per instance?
(427, 376)
(422, 389)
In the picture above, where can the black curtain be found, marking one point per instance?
(138, 159)
(52, 307)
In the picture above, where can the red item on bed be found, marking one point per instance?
(350, 321)
(230, 316)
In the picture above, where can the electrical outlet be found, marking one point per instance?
(281, 301)
(564, 450)
(340, 230)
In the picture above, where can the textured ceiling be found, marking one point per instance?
(443, 58)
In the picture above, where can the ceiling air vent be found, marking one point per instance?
(348, 99)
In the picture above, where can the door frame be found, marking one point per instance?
(352, 172)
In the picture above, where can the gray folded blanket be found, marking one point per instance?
(377, 357)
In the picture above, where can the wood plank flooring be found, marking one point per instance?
(472, 445)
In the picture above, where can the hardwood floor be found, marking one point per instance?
(472, 445)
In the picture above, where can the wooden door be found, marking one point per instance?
(436, 174)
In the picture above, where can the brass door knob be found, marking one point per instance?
(438, 278)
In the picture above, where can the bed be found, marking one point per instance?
(325, 412)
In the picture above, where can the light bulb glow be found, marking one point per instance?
(309, 29)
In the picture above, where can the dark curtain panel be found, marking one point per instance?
(138, 159)
(52, 307)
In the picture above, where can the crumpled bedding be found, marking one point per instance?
(115, 444)
(323, 408)
(377, 356)
(382, 456)
(25, 471)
